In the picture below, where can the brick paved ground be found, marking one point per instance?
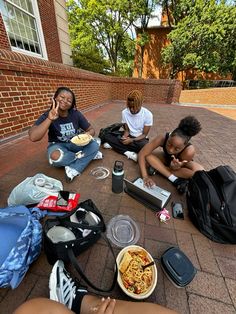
(214, 288)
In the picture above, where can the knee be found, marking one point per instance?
(196, 167)
(55, 155)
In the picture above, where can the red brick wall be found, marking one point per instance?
(4, 43)
(49, 25)
(27, 85)
(213, 96)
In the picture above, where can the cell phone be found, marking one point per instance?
(177, 210)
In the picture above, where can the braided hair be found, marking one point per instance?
(188, 127)
(66, 89)
(135, 99)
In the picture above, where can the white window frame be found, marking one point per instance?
(40, 33)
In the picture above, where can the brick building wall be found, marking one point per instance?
(4, 43)
(50, 31)
(49, 25)
(27, 85)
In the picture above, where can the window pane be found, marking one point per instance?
(21, 26)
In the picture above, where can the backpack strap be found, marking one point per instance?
(77, 267)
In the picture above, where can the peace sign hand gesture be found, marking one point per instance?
(53, 113)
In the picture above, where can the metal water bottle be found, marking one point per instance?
(117, 177)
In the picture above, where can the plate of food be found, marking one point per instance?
(81, 139)
(135, 278)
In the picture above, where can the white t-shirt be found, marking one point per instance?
(136, 122)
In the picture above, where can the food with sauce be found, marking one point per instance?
(136, 279)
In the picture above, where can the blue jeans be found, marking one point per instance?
(68, 154)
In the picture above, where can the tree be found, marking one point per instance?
(204, 37)
(147, 7)
(105, 27)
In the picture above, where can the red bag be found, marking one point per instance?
(64, 201)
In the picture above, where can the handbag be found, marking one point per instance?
(67, 236)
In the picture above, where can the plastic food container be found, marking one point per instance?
(81, 139)
(177, 267)
(146, 294)
(123, 231)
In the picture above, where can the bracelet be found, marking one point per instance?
(49, 119)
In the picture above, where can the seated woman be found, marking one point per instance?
(67, 297)
(175, 162)
(137, 123)
(62, 122)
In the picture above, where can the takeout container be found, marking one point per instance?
(177, 267)
(81, 139)
(146, 294)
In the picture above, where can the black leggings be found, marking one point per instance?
(119, 147)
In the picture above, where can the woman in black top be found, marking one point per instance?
(175, 162)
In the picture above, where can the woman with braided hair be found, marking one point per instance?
(137, 122)
(175, 162)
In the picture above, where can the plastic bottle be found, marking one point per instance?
(117, 177)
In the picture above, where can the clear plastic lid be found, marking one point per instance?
(123, 231)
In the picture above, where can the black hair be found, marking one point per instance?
(188, 127)
(66, 89)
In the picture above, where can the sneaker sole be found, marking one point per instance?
(53, 280)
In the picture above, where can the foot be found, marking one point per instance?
(71, 173)
(181, 185)
(151, 171)
(99, 155)
(63, 288)
(106, 145)
(131, 155)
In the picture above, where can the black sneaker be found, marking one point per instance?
(151, 171)
(181, 185)
(63, 288)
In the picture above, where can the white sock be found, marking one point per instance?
(172, 178)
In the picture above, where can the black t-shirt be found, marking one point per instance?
(64, 128)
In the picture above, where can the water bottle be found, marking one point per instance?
(117, 177)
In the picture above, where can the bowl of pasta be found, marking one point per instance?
(136, 280)
(81, 139)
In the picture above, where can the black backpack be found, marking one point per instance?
(113, 128)
(211, 200)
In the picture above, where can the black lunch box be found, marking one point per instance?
(177, 267)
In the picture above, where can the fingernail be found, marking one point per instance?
(103, 299)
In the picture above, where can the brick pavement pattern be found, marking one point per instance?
(213, 289)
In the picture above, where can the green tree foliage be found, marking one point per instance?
(101, 30)
(204, 37)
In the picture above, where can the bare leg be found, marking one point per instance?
(91, 304)
(42, 306)
(157, 161)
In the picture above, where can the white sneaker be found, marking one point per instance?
(62, 287)
(70, 173)
(131, 155)
(99, 155)
(106, 145)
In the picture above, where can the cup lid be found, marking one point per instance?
(123, 231)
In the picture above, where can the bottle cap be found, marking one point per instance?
(118, 166)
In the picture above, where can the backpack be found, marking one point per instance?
(21, 234)
(211, 201)
(113, 128)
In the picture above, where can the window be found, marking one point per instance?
(22, 22)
